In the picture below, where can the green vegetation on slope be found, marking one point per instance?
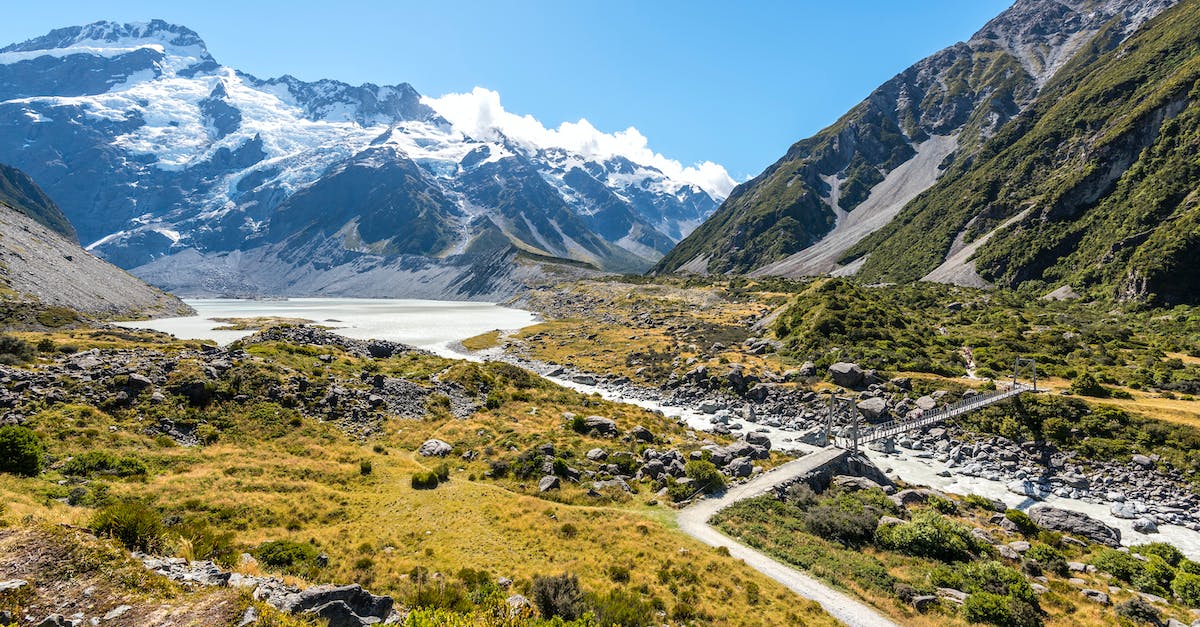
(1104, 164)
(19, 191)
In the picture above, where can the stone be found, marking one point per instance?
(853, 484)
(885, 521)
(596, 455)
(1025, 487)
(13, 585)
(1095, 596)
(358, 601)
(958, 597)
(1039, 588)
(758, 439)
(518, 602)
(913, 496)
(435, 448)
(615, 482)
(924, 602)
(548, 483)
(1076, 523)
(807, 369)
(1020, 546)
(926, 403)
(642, 434)
(1145, 525)
(1126, 510)
(1007, 552)
(601, 425)
(741, 467)
(339, 614)
(846, 374)
(874, 408)
(1143, 461)
(55, 620)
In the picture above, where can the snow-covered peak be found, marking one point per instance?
(179, 46)
(480, 114)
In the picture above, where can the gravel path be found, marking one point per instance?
(693, 520)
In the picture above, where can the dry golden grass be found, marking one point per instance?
(483, 341)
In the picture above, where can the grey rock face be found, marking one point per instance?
(846, 374)
(1076, 523)
(435, 448)
(548, 483)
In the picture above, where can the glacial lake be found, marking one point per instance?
(430, 324)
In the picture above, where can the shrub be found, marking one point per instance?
(133, 524)
(46, 345)
(1139, 610)
(206, 543)
(103, 462)
(1023, 522)
(365, 467)
(1049, 558)
(207, 434)
(21, 451)
(15, 348)
(843, 519)
(1186, 586)
(558, 595)
(801, 496)
(424, 480)
(1087, 385)
(932, 535)
(995, 609)
(286, 554)
(621, 608)
(981, 502)
(1167, 552)
(579, 424)
(1155, 576)
(1119, 564)
(705, 475)
(943, 504)
(442, 472)
(618, 573)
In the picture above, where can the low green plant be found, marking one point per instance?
(132, 523)
(424, 480)
(21, 451)
(286, 554)
(1023, 522)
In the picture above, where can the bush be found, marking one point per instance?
(618, 573)
(105, 463)
(133, 524)
(286, 554)
(622, 608)
(442, 472)
(424, 480)
(16, 349)
(843, 519)
(1186, 586)
(1087, 385)
(981, 502)
(1139, 610)
(1023, 522)
(1167, 552)
(706, 475)
(1119, 564)
(46, 345)
(932, 535)
(995, 609)
(1048, 558)
(364, 467)
(21, 451)
(558, 595)
(1155, 577)
(206, 543)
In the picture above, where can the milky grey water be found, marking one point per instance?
(430, 324)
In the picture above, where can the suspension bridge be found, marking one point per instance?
(855, 433)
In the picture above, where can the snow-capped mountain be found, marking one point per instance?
(205, 179)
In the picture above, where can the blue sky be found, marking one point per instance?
(734, 83)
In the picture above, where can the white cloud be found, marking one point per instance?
(480, 115)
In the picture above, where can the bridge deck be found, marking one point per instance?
(895, 427)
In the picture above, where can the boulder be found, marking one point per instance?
(601, 425)
(435, 448)
(615, 482)
(758, 439)
(596, 455)
(846, 374)
(548, 483)
(874, 408)
(913, 496)
(642, 433)
(1145, 525)
(854, 484)
(358, 601)
(741, 467)
(339, 614)
(924, 602)
(1095, 596)
(1075, 523)
(807, 369)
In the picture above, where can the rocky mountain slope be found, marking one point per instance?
(169, 163)
(802, 215)
(40, 267)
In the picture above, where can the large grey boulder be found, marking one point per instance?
(1075, 523)
(873, 408)
(846, 374)
(548, 483)
(435, 448)
(359, 602)
(600, 424)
